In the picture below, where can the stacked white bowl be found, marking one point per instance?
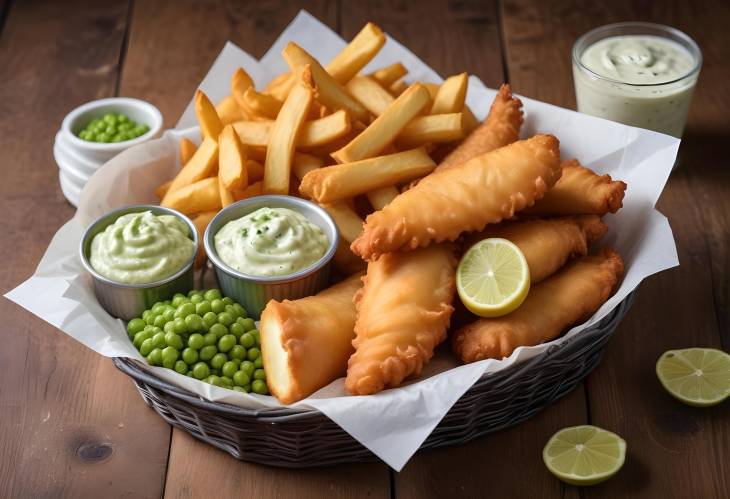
(79, 159)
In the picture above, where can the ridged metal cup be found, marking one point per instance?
(254, 292)
(127, 301)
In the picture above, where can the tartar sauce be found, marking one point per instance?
(270, 242)
(140, 248)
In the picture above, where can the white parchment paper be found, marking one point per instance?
(394, 423)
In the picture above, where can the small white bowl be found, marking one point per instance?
(66, 153)
(70, 191)
(137, 110)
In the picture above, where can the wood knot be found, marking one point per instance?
(92, 451)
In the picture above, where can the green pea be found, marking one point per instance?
(227, 300)
(218, 360)
(259, 386)
(215, 371)
(181, 326)
(226, 382)
(91, 136)
(124, 127)
(235, 361)
(202, 308)
(190, 356)
(210, 318)
(159, 321)
(201, 370)
(178, 299)
(231, 310)
(181, 367)
(140, 337)
(257, 336)
(194, 322)
(248, 323)
(110, 119)
(103, 137)
(210, 339)
(237, 352)
(122, 118)
(146, 346)
(169, 314)
(226, 343)
(217, 305)
(169, 357)
(259, 362)
(219, 330)
(259, 374)
(174, 340)
(212, 294)
(189, 374)
(240, 311)
(229, 369)
(135, 326)
(247, 340)
(240, 378)
(150, 319)
(213, 380)
(111, 130)
(236, 329)
(208, 352)
(184, 310)
(248, 367)
(93, 123)
(196, 298)
(155, 357)
(239, 389)
(225, 319)
(196, 341)
(169, 327)
(100, 127)
(158, 340)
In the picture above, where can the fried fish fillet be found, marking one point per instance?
(403, 311)
(486, 189)
(567, 298)
(580, 191)
(306, 343)
(548, 243)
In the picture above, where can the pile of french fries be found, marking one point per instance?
(330, 134)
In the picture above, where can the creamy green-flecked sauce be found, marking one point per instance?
(270, 242)
(140, 248)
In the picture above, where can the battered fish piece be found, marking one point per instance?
(547, 244)
(465, 198)
(305, 343)
(580, 191)
(567, 298)
(403, 311)
(502, 127)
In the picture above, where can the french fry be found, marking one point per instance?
(305, 163)
(357, 54)
(240, 82)
(283, 137)
(255, 171)
(210, 122)
(279, 87)
(314, 133)
(386, 127)
(328, 91)
(231, 160)
(249, 192)
(261, 104)
(435, 128)
(348, 222)
(390, 74)
(201, 222)
(451, 94)
(162, 189)
(202, 195)
(432, 88)
(229, 111)
(370, 94)
(398, 88)
(225, 194)
(187, 150)
(203, 164)
(380, 198)
(334, 183)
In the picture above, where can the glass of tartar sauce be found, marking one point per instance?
(639, 74)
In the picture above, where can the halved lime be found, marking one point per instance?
(584, 455)
(493, 278)
(695, 376)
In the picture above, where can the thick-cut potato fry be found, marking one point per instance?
(370, 94)
(348, 222)
(432, 88)
(313, 133)
(380, 198)
(279, 87)
(254, 170)
(386, 127)
(305, 163)
(210, 122)
(187, 150)
(225, 194)
(328, 91)
(162, 189)
(334, 183)
(240, 82)
(203, 164)
(390, 74)
(451, 95)
(283, 138)
(228, 110)
(201, 222)
(261, 104)
(357, 54)
(398, 87)
(252, 190)
(202, 195)
(436, 128)
(232, 160)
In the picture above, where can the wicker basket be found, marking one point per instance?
(302, 438)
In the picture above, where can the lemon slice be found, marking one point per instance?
(695, 376)
(584, 455)
(493, 278)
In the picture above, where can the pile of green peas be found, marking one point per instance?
(205, 336)
(113, 128)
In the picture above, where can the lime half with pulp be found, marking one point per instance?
(584, 455)
(695, 376)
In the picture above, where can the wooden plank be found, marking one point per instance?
(674, 451)
(72, 426)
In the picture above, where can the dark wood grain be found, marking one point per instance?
(674, 450)
(71, 425)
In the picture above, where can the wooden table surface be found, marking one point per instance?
(71, 425)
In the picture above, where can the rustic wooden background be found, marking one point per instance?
(72, 426)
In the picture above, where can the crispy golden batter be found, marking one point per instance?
(567, 298)
(403, 311)
(580, 191)
(306, 342)
(486, 189)
(548, 244)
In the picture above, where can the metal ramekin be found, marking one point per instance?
(254, 292)
(126, 301)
